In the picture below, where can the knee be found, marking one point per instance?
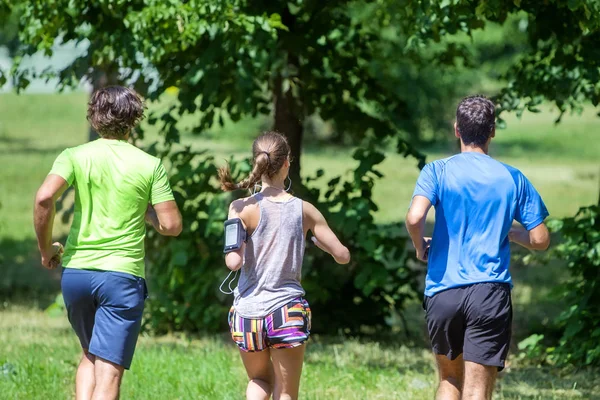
(108, 375)
(284, 396)
(281, 393)
(452, 376)
(259, 389)
(454, 380)
(108, 378)
(263, 383)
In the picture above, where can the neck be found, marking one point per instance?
(126, 137)
(474, 149)
(273, 184)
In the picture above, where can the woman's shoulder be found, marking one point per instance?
(309, 210)
(243, 203)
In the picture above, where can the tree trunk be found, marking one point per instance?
(101, 77)
(598, 192)
(288, 121)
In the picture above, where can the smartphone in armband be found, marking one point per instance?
(235, 235)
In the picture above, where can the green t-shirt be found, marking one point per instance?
(114, 183)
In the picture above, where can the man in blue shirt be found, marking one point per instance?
(467, 292)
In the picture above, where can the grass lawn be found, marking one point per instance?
(38, 353)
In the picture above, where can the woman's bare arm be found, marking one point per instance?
(324, 238)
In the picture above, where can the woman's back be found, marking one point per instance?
(271, 274)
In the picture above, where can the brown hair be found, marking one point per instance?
(475, 120)
(270, 150)
(114, 111)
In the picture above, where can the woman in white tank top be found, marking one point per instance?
(270, 319)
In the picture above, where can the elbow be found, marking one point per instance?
(174, 229)
(413, 219)
(234, 261)
(44, 198)
(540, 243)
(343, 257)
(234, 267)
(178, 229)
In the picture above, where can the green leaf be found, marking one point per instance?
(275, 22)
(294, 9)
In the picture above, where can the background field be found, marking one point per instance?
(38, 353)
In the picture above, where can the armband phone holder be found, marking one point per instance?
(235, 235)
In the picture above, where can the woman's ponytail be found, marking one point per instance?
(270, 151)
(260, 167)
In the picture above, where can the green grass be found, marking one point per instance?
(561, 161)
(39, 355)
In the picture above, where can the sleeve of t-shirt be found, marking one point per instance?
(427, 184)
(161, 190)
(531, 210)
(63, 167)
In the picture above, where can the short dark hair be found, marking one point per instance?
(114, 111)
(475, 120)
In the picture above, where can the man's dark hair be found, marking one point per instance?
(114, 111)
(475, 120)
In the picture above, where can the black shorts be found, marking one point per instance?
(473, 320)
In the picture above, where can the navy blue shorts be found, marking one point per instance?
(473, 320)
(105, 309)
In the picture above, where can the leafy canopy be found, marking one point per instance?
(367, 65)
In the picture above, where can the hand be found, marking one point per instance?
(52, 257)
(423, 251)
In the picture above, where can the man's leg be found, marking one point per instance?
(81, 310)
(445, 324)
(108, 380)
(487, 337)
(85, 379)
(451, 374)
(479, 381)
(117, 325)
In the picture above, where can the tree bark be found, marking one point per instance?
(599, 192)
(101, 77)
(288, 121)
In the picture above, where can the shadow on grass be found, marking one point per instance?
(19, 145)
(550, 383)
(23, 280)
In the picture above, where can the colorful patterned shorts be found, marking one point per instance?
(286, 327)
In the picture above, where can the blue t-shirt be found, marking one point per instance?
(476, 199)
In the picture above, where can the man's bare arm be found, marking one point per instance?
(43, 218)
(415, 224)
(165, 218)
(536, 239)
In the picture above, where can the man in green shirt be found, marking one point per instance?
(117, 187)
